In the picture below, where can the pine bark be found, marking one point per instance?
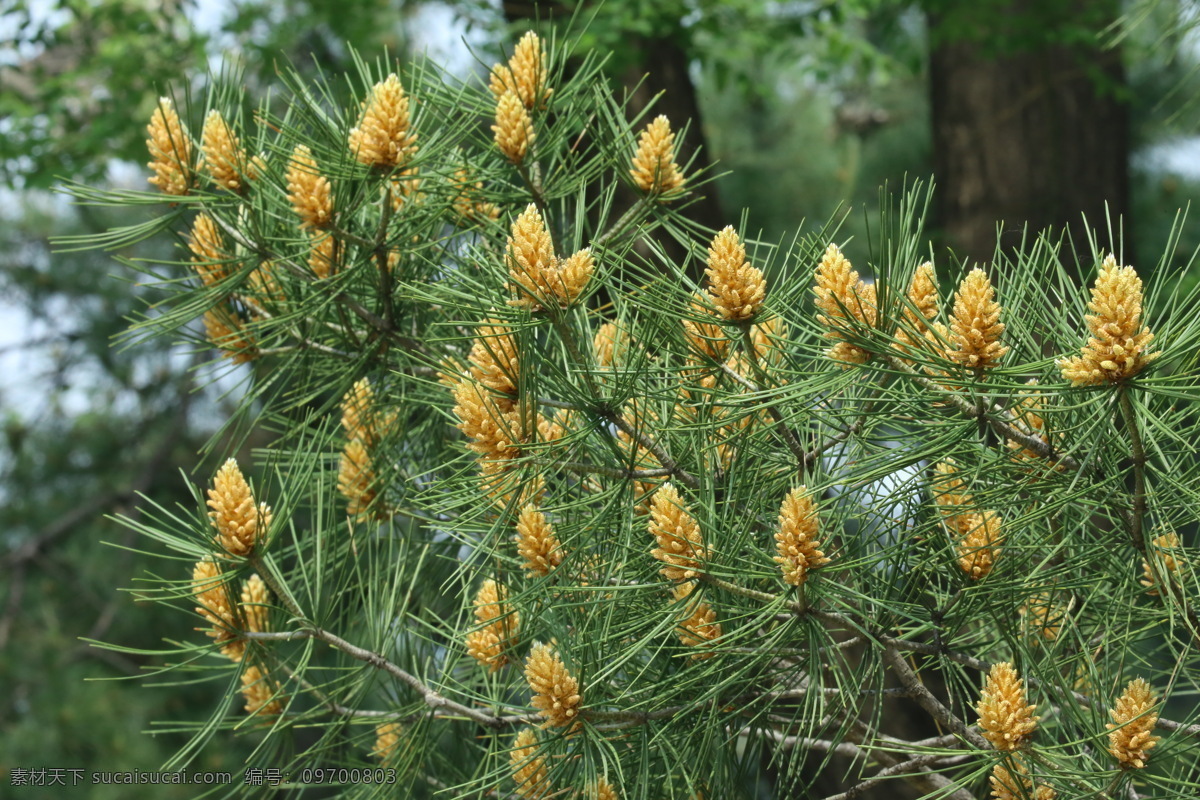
(1027, 132)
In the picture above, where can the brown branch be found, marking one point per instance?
(1011, 431)
(653, 447)
(611, 472)
(762, 597)
(944, 716)
(441, 706)
(785, 432)
(304, 343)
(381, 258)
(334, 707)
(342, 298)
(625, 220)
(904, 769)
(1136, 520)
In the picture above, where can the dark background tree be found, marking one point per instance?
(1029, 120)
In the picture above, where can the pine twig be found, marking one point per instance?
(441, 705)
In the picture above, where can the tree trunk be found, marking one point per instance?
(1033, 135)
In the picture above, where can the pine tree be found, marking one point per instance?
(515, 537)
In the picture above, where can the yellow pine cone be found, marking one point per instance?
(499, 626)
(504, 484)
(491, 423)
(487, 647)
(525, 74)
(951, 498)
(699, 626)
(796, 540)
(500, 81)
(365, 429)
(208, 250)
(1027, 409)
(537, 543)
(736, 289)
(1005, 719)
(264, 284)
(382, 137)
(227, 334)
(921, 310)
(923, 295)
(536, 276)
(1009, 786)
(309, 191)
(937, 340)
(530, 258)
(769, 340)
(602, 790)
(513, 130)
(323, 256)
(491, 603)
(975, 325)
(1044, 618)
(450, 371)
(212, 595)
(357, 480)
(573, 274)
(556, 693)
(654, 169)
(980, 546)
(241, 527)
(551, 430)
(842, 300)
(388, 736)
(361, 418)
(256, 599)
(261, 693)
(610, 344)
(224, 159)
(529, 770)
(170, 150)
(257, 167)
(468, 201)
(706, 338)
(1129, 734)
(406, 188)
(1118, 347)
(680, 546)
(358, 410)
(494, 361)
(1169, 549)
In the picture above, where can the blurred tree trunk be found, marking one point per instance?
(1029, 125)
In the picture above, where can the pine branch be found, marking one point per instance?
(440, 705)
(1012, 431)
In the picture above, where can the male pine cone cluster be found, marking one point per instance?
(366, 428)
(241, 532)
(1119, 345)
(520, 89)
